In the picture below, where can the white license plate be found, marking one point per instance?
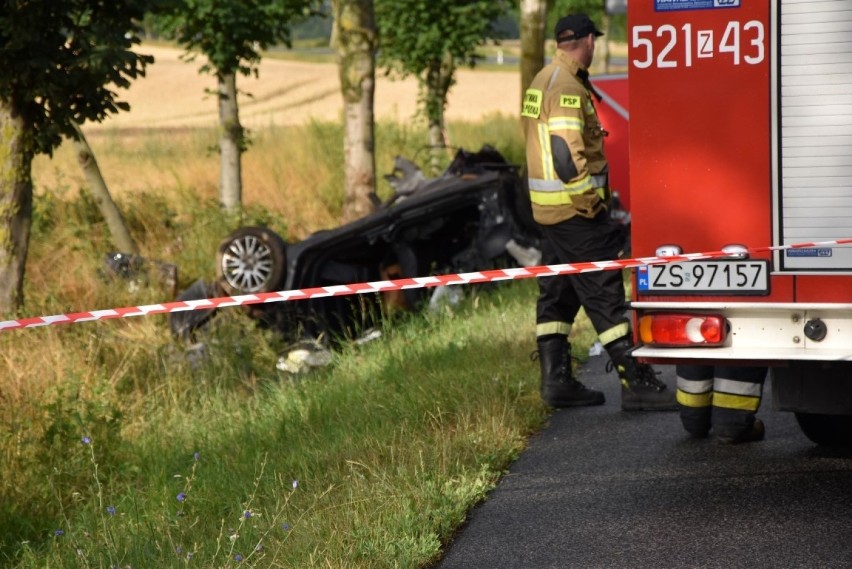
(705, 277)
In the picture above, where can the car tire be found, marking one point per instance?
(826, 430)
(251, 260)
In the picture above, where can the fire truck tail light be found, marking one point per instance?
(687, 330)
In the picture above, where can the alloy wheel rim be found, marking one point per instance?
(247, 264)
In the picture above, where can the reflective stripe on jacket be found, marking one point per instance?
(558, 104)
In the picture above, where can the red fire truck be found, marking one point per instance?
(741, 141)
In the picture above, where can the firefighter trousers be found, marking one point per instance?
(722, 398)
(600, 293)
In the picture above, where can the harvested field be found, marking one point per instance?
(174, 95)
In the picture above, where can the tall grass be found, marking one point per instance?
(293, 173)
(122, 448)
(144, 459)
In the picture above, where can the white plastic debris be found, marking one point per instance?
(596, 349)
(368, 336)
(445, 295)
(302, 359)
(525, 256)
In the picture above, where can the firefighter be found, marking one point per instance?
(569, 194)
(722, 398)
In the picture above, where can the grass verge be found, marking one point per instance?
(373, 462)
(120, 450)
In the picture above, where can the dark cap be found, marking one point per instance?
(575, 26)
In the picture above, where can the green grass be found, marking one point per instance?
(373, 461)
(390, 446)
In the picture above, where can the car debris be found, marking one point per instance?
(138, 272)
(475, 216)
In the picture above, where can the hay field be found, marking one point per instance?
(173, 94)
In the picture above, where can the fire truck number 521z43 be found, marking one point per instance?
(743, 42)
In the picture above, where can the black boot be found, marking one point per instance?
(558, 386)
(641, 389)
(753, 433)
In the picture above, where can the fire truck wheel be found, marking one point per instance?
(251, 260)
(827, 430)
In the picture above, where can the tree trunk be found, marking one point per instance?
(231, 144)
(97, 186)
(16, 206)
(602, 53)
(355, 43)
(439, 79)
(533, 17)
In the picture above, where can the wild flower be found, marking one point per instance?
(247, 514)
(238, 557)
(86, 440)
(181, 497)
(196, 456)
(295, 484)
(110, 510)
(58, 533)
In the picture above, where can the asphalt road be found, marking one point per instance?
(601, 488)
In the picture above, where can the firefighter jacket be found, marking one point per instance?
(566, 165)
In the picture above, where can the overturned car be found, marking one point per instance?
(475, 216)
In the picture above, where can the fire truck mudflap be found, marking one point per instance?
(741, 138)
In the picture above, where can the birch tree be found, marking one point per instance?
(533, 18)
(429, 39)
(354, 39)
(100, 192)
(231, 37)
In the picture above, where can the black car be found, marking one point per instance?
(475, 216)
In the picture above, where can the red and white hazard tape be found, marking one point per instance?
(382, 286)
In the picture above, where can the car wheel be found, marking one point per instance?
(251, 260)
(826, 430)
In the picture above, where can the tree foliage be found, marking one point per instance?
(231, 35)
(558, 8)
(415, 33)
(61, 60)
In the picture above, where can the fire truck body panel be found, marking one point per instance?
(727, 147)
(741, 134)
(613, 113)
(700, 149)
